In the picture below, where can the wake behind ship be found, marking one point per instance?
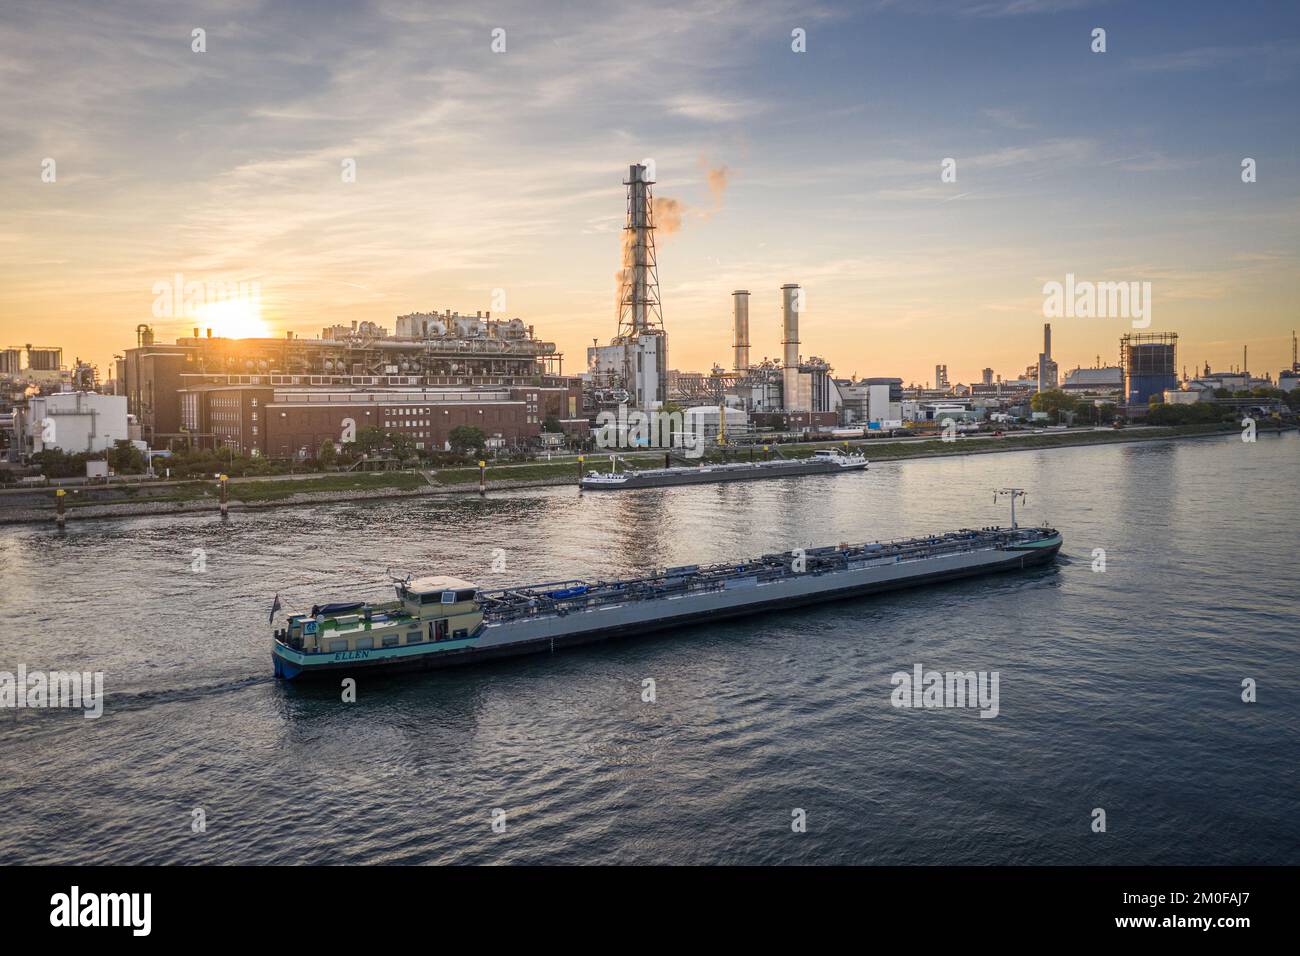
(442, 621)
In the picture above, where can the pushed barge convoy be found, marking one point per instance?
(824, 462)
(442, 621)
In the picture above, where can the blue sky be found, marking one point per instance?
(479, 170)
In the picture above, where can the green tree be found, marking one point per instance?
(552, 424)
(327, 454)
(370, 440)
(402, 445)
(466, 438)
(1055, 402)
(124, 458)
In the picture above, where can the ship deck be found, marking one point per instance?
(564, 597)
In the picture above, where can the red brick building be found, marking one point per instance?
(293, 422)
(150, 378)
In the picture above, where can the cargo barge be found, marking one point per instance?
(442, 621)
(824, 462)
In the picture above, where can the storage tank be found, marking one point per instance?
(45, 359)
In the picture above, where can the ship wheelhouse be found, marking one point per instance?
(428, 610)
(446, 607)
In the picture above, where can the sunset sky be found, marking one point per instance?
(478, 170)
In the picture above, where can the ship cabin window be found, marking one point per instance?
(390, 640)
(365, 643)
(337, 646)
(456, 597)
(415, 637)
(459, 633)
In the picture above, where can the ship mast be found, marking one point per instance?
(1013, 494)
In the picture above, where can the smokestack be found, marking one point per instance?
(1047, 339)
(740, 303)
(638, 224)
(791, 299)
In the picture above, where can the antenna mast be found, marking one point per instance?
(1013, 494)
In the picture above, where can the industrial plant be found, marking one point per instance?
(436, 371)
(633, 367)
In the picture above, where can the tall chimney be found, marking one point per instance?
(791, 299)
(740, 303)
(1047, 339)
(638, 225)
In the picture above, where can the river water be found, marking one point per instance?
(1119, 690)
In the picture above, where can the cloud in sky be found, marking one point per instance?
(477, 170)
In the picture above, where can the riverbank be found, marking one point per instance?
(200, 497)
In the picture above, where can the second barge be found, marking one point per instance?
(824, 462)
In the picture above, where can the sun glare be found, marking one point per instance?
(234, 319)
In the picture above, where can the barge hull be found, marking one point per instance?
(703, 476)
(504, 646)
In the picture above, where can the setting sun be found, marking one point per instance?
(234, 319)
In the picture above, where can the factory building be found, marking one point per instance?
(444, 350)
(293, 421)
(1288, 378)
(1046, 370)
(44, 367)
(793, 384)
(872, 401)
(703, 423)
(1108, 378)
(74, 422)
(1149, 360)
(151, 377)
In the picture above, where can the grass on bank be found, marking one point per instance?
(368, 481)
(567, 471)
